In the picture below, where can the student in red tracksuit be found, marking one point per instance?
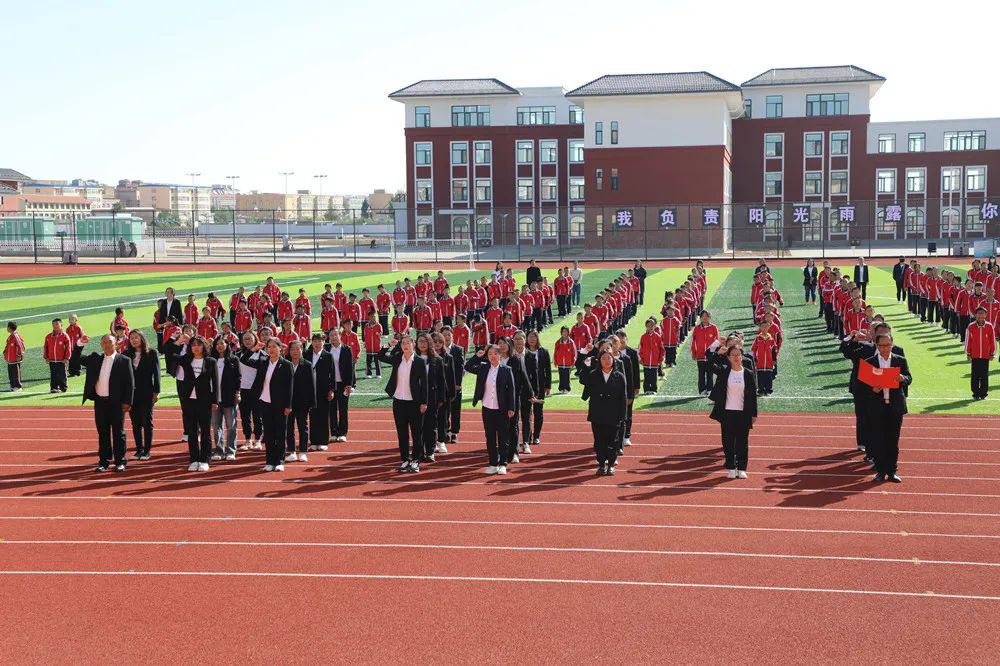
(372, 334)
(670, 332)
(422, 317)
(764, 351)
(119, 320)
(480, 333)
(366, 304)
(400, 322)
(77, 339)
(651, 355)
(56, 352)
(191, 312)
(447, 305)
(302, 324)
(285, 308)
(564, 356)
(352, 311)
(13, 354)
(303, 300)
(214, 306)
(329, 318)
(350, 339)
(702, 337)
(460, 332)
(383, 305)
(243, 320)
(207, 328)
(493, 317)
(506, 329)
(980, 347)
(287, 335)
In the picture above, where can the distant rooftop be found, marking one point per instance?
(12, 175)
(455, 87)
(793, 76)
(653, 84)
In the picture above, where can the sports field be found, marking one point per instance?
(812, 376)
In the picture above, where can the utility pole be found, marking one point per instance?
(194, 198)
(286, 174)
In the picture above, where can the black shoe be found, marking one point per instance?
(600, 470)
(894, 478)
(869, 458)
(880, 477)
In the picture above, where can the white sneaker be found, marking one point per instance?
(279, 468)
(515, 459)
(342, 438)
(184, 438)
(444, 448)
(313, 447)
(502, 469)
(268, 468)
(202, 467)
(215, 457)
(527, 448)
(537, 442)
(627, 442)
(303, 458)
(437, 448)
(291, 457)
(136, 456)
(259, 446)
(741, 474)
(492, 469)
(193, 467)
(368, 375)
(324, 447)
(731, 474)
(231, 456)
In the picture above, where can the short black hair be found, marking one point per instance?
(12, 326)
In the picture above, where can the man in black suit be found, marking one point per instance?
(167, 307)
(533, 274)
(861, 276)
(857, 347)
(898, 273)
(110, 385)
(407, 387)
(495, 389)
(633, 383)
(342, 381)
(321, 362)
(886, 408)
(605, 409)
(640, 272)
(458, 362)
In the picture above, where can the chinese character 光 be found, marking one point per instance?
(800, 214)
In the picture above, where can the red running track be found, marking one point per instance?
(341, 556)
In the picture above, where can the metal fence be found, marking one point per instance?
(952, 227)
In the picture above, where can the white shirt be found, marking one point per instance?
(577, 275)
(196, 366)
(180, 369)
(884, 363)
(403, 379)
(265, 393)
(490, 398)
(103, 386)
(607, 376)
(248, 373)
(220, 365)
(335, 353)
(734, 391)
(315, 358)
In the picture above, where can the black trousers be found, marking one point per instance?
(297, 420)
(75, 360)
(57, 375)
(671, 356)
(274, 422)
(538, 319)
(537, 420)
(250, 415)
(735, 439)
(428, 431)
(946, 318)
(455, 418)
(524, 411)
(629, 404)
(862, 432)
(514, 433)
(197, 417)
(885, 427)
(922, 307)
(406, 414)
(441, 419)
(831, 324)
(765, 381)
(562, 305)
(933, 312)
(496, 428)
(705, 378)
(864, 289)
(963, 325)
(900, 291)
(564, 376)
(110, 421)
(141, 415)
(338, 411)
(605, 442)
(383, 320)
(980, 377)
(649, 376)
(642, 292)
(911, 302)
(14, 375)
(372, 359)
(319, 422)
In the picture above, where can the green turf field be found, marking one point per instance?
(812, 373)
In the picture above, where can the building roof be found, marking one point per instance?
(12, 175)
(47, 198)
(794, 76)
(653, 84)
(455, 88)
(4, 190)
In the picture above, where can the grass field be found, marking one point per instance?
(812, 376)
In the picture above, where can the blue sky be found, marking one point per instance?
(148, 90)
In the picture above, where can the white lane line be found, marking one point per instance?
(493, 579)
(221, 520)
(488, 548)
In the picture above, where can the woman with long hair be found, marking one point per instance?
(227, 379)
(448, 366)
(735, 408)
(436, 393)
(407, 386)
(200, 398)
(538, 365)
(303, 401)
(146, 371)
(810, 277)
(522, 391)
(249, 355)
(273, 388)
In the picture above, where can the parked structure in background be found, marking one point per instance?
(185, 203)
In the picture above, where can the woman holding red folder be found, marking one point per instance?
(885, 404)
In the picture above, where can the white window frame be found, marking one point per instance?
(847, 182)
(781, 145)
(460, 219)
(920, 231)
(549, 183)
(521, 239)
(878, 178)
(548, 144)
(451, 153)
(528, 185)
(522, 145)
(780, 181)
(916, 136)
(424, 223)
(847, 144)
(548, 228)
(818, 179)
(916, 172)
(430, 190)
(580, 183)
(806, 141)
(489, 152)
(484, 221)
(489, 189)
(577, 227)
(957, 177)
(575, 148)
(454, 181)
(417, 150)
(966, 179)
(886, 143)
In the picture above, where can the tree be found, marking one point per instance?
(399, 196)
(330, 214)
(366, 210)
(222, 215)
(167, 218)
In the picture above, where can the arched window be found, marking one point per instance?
(576, 226)
(951, 222)
(425, 227)
(916, 222)
(772, 223)
(550, 229)
(460, 228)
(484, 228)
(973, 221)
(526, 228)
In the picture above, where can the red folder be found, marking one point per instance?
(878, 377)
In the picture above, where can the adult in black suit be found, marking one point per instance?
(110, 384)
(166, 307)
(444, 411)
(436, 396)
(199, 398)
(735, 408)
(810, 278)
(343, 383)
(523, 393)
(303, 402)
(607, 396)
(533, 274)
(407, 387)
(886, 408)
(861, 276)
(273, 388)
(229, 378)
(146, 374)
(857, 347)
(538, 366)
(495, 389)
(458, 363)
(640, 272)
(173, 349)
(632, 382)
(898, 273)
(321, 362)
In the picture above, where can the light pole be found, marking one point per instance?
(194, 198)
(286, 174)
(320, 177)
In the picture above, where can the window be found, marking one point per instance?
(951, 222)
(772, 223)
(774, 145)
(951, 179)
(772, 184)
(774, 106)
(536, 115)
(425, 227)
(484, 228)
(525, 152)
(916, 222)
(550, 190)
(838, 182)
(575, 115)
(424, 191)
(422, 116)
(422, 153)
(484, 152)
(599, 179)
(975, 179)
(965, 140)
(470, 116)
(915, 179)
(576, 188)
(484, 189)
(814, 144)
(840, 143)
(547, 151)
(614, 180)
(575, 151)
(886, 181)
(459, 153)
(916, 142)
(886, 143)
(883, 226)
(813, 183)
(526, 228)
(550, 229)
(460, 190)
(598, 133)
(827, 104)
(748, 108)
(460, 228)
(525, 189)
(614, 132)
(576, 226)
(973, 221)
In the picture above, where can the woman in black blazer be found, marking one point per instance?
(606, 407)
(523, 393)
(735, 408)
(496, 419)
(199, 398)
(538, 366)
(249, 356)
(409, 402)
(303, 402)
(228, 379)
(273, 388)
(810, 277)
(436, 395)
(146, 370)
(450, 386)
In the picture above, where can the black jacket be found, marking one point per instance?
(176, 311)
(346, 366)
(897, 396)
(540, 372)
(448, 364)
(719, 363)
(146, 376)
(458, 363)
(171, 352)
(230, 386)
(323, 375)
(898, 270)
(810, 275)
(303, 387)
(606, 403)
(532, 275)
(857, 352)
(280, 385)
(418, 373)
(203, 386)
(523, 391)
(480, 367)
(121, 383)
(437, 389)
(718, 395)
(860, 274)
(634, 365)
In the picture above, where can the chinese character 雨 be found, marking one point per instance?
(845, 213)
